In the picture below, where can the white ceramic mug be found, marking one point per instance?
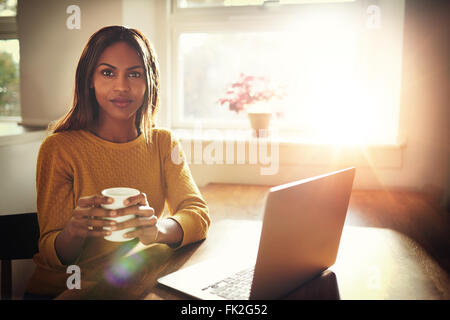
(119, 195)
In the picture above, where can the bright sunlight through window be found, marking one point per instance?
(342, 77)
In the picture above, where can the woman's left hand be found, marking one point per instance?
(145, 221)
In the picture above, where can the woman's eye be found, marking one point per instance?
(107, 73)
(135, 74)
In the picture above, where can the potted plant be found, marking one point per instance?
(257, 96)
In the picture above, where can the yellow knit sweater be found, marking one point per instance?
(75, 164)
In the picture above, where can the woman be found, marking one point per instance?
(109, 139)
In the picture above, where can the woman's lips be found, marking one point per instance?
(121, 102)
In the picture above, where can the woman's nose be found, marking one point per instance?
(121, 83)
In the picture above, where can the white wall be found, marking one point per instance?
(49, 52)
(18, 195)
(18, 177)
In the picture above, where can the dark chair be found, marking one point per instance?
(19, 234)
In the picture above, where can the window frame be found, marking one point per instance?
(176, 84)
(228, 19)
(8, 28)
(9, 31)
(217, 19)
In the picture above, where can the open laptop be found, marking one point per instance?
(300, 237)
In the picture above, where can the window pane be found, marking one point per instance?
(9, 78)
(235, 3)
(306, 63)
(332, 91)
(342, 78)
(8, 8)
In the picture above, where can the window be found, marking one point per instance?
(9, 61)
(232, 3)
(340, 69)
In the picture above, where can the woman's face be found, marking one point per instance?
(119, 82)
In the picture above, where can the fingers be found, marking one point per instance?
(93, 201)
(96, 223)
(86, 227)
(139, 210)
(93, 212)
(146, 235)
(140, 199)
(90, 206)
(88, 217)
(139, 222)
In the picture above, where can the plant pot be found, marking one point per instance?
(260, 122)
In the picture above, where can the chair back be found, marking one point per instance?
(19, 235)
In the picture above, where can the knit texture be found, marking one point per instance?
(75, 164)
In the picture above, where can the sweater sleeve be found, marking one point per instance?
(185, 203)
(54, 189)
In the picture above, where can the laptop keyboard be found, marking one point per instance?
(235, 287)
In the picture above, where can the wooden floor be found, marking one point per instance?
(411, 213)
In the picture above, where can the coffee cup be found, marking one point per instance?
(119, 195)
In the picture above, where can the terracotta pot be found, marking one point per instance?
(260, 122)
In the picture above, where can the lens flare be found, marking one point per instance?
(123, 270)
(125, 264)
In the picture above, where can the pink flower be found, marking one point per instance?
(248, 90)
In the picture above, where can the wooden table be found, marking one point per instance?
(372, 263)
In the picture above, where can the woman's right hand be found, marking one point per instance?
(87, 221)
(88, 217)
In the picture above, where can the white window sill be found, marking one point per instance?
(202, 150)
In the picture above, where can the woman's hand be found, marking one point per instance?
(86, 221)
(148, 228)
(144, 222)
(88, 218)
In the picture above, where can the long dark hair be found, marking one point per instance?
(84, 109)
